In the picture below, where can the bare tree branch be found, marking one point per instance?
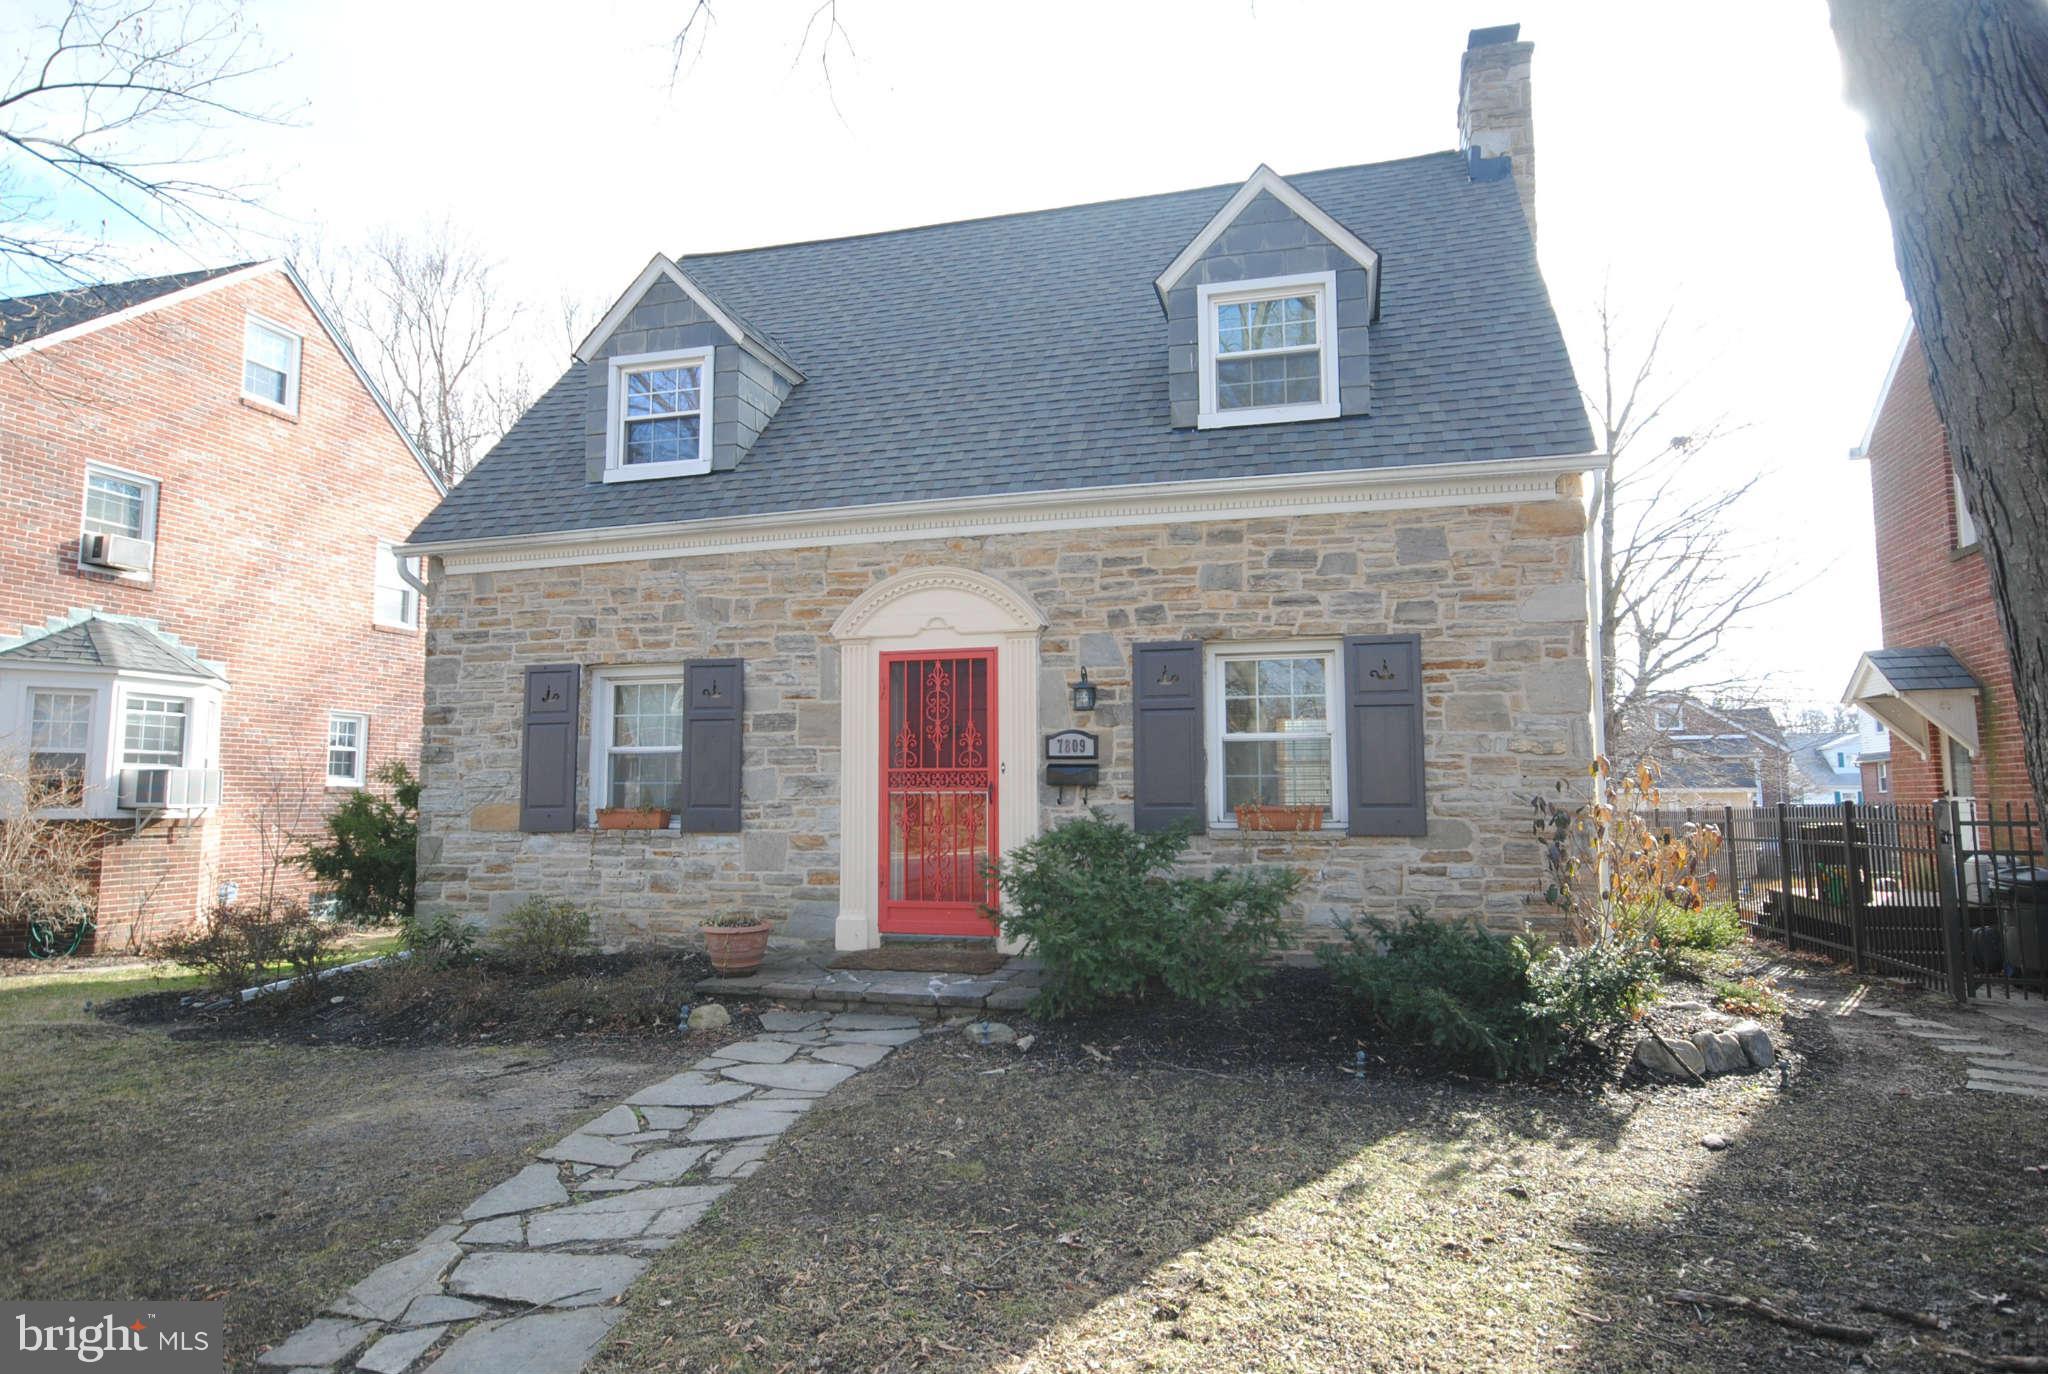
(426, 314)
(1674, 579)
(129, 106)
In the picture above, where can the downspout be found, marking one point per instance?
(1596, 647)
(405, 572)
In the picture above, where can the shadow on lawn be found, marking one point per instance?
(1873, 1176)
(959, 1209)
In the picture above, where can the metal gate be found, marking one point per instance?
(939, 771)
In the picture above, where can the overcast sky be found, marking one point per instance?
(1697, 158)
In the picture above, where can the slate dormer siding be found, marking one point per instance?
(1268, 240)
(745, 390)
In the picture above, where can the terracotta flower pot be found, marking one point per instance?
(736, 949)
(631, 818)
(1254, 817)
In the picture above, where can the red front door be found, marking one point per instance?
(939, 773)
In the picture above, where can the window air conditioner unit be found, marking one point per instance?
(168, 789)
(117, 551)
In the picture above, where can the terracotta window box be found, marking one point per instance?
(632, 818)
(1255, 817)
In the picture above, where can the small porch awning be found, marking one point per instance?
(1911, 689)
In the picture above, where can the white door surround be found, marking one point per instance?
(916, 610)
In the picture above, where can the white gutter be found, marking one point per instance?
(1507, 480)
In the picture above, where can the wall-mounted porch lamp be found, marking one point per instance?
(1084, 692)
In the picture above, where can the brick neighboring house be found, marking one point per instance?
(812, 547)
(1943, 680)
(201, 493)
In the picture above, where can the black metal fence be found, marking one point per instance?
(1953, 895)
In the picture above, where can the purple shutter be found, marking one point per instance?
(714, 695)
(1383, 734)
(547, 765)
(1166, 726)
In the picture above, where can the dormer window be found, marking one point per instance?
(659, 404)
(1268, 351)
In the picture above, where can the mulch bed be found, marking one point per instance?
(1303, 1026)
(484, 1001)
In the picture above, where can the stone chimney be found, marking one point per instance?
(1494, 114)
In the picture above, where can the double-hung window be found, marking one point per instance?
(640, 741)
(117, 527)
(1269, 351)
(1276, 732)
(153, 732)
(59, 738)
(396, 601)
(270, 364)
(659, 408)
(347, 741)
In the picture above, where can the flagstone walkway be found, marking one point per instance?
(525, 1280)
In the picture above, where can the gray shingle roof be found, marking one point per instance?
(24, 318)
(105, 642)
(1028, 353)
(1924, 670)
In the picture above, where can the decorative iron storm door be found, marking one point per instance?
(939, 772)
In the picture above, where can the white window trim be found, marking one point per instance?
(291, 376)
(387, 556)
(94, 745)
(1209, 296)
(1221, 817)
(1967, 535)
(362, 720)
(602, 680)
(149, 504)
(616, 468)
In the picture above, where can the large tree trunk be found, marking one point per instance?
(1956, 95)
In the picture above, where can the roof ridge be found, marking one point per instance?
(1048, 209)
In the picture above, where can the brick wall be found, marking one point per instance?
(1497, 594)
(1932, 593)
(266, 543)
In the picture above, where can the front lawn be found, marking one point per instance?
(274, 1172)
(1104, 1207)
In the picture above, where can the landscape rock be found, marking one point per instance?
(710, 1016)
(1722, 1052)
(1672, 1062)
(991, 1033)
(1714, 1141)
(1756, 1043)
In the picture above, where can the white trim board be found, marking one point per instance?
(661, 265)
(227, 279)
(1270, 181)
(1500, 481)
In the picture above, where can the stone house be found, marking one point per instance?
(1942, 683)
(865, 560)
(206, 636)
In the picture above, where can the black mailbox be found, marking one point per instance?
(1073, 759)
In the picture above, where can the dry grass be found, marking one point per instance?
(935, 1215)
(136, 1163)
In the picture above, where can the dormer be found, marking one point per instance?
(677, 384)
(1268, 313)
